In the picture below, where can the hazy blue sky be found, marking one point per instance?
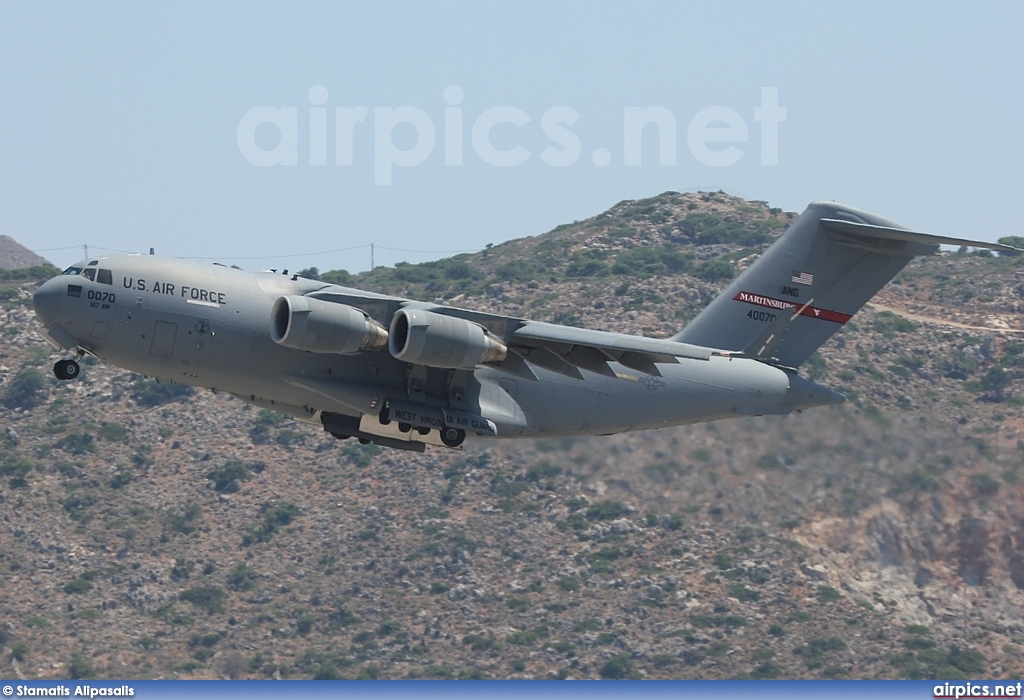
(119, 122)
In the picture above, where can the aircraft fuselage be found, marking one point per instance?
(210, 326)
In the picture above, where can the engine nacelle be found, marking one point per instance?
(313, 325)
(435, 340)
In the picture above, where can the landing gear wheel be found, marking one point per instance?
(453, 437)
(423, 430)
(404, 427)
(66, 369)
(383, 417)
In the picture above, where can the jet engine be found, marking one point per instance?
(313, 325)
(435, 340)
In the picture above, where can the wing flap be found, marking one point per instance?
(538, 333)
(567, 350)
(590, 358)
(549, 359)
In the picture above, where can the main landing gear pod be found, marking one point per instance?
(451, 424)
(67, 369)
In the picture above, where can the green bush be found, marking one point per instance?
(16, 467)
(185, 521)
(122, 477)
(650, 262)
(520, 270)
(360, 455)
(343, 617)
(78, 502)
(304, 625)
(481, 643)
(827, 594)
(766, 671)
(742, 593)
(619, 668)
(26, 390)
(709, 229)
(182, 569)
(77, 443)
(341, 277)
(113, 432)
(79, 667)
(586, 267)
(889, 324)
(607, 510)
(970, 661)
(569, 584)
(714, 270)
(19, 650)
(150, 392)
(208, 598)
(274, 517)
(36, 272)
(524, 638)
(241, 577)
(78, 586)
(225, 479)
(984, 485)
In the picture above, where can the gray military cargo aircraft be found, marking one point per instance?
(402, 373)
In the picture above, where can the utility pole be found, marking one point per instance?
(371, 257)
(86, 247)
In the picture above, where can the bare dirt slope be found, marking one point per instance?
(14, 256)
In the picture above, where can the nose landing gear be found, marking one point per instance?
(67, 369)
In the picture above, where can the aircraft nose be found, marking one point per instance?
(47, 301)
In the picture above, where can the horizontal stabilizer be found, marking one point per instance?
(895, 234)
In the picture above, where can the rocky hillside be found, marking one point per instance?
(14, 256)
(152, 531)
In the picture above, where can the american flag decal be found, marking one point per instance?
(805, 278)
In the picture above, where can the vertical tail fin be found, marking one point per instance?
(833, 256)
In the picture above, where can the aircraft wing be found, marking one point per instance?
(563, 349)
(567, 350)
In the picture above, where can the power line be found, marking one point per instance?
(275, 257)
(22, 249)
(410, 250)
(371, 246)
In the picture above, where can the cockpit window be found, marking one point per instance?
(90, 274)
(104, 277)
(72, 271)
(93, 262)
